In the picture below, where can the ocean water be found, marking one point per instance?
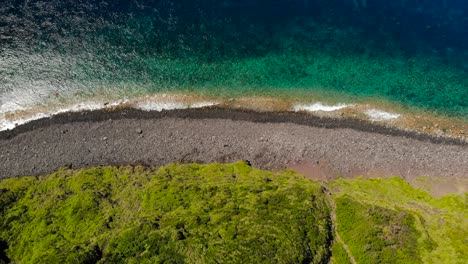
(64, 54)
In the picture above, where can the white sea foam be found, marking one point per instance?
(10, 123)
(159, 106)
(320, 107)
(10, 107)
(203, 104)
(379, 115)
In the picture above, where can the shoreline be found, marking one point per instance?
(381, 113)
(216, 112)
(269, 140)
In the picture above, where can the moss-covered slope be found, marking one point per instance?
(388, 221)
(224, 214)
(178, 213)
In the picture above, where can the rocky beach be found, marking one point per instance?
(327, 148)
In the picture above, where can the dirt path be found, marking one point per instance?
(335, 225)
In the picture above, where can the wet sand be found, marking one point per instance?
(322, 147)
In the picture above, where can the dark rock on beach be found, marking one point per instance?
(344, 148)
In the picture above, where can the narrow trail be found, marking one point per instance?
(338, 238)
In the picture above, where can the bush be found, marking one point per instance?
(377, 235)
(178, 213)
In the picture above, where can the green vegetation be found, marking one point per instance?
(178, 213)
(377, 235)
(389, 221)
(339, 254)
(224, 214)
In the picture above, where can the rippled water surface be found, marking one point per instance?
(66, 52)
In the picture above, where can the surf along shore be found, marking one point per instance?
(318, 147)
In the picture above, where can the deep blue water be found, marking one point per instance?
(408, 51)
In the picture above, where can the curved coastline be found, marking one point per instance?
(270, 140)
(214, 112)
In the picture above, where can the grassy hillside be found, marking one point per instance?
(388, 221)
(224, 214)
(178, 213)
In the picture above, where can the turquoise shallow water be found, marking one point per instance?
(66, 52)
